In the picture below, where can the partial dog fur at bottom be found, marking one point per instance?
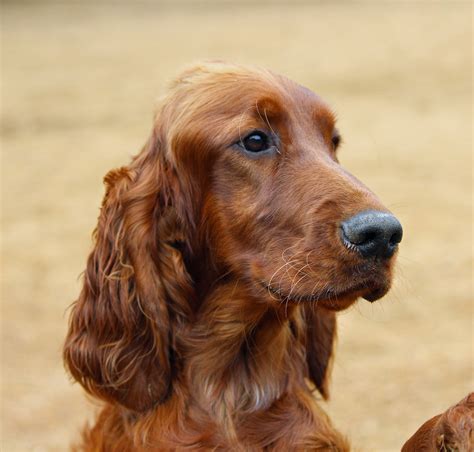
(452, 430)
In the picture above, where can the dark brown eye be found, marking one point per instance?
(336, 140)
(255, 142)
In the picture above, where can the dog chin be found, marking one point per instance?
(376, 293)
(339, 303)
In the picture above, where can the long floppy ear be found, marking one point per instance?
(121, 343)
(320, 337)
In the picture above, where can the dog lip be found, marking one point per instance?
(364, 287)
(282, 296)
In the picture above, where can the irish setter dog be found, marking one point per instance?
(223, 250)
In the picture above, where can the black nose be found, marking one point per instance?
(373, 234)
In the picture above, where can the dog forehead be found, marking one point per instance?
(219, 93)
(286, 103)
(277, 97)
(304, 104)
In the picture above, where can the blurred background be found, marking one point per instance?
(79, 85)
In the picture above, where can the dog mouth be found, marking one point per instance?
(333, 297)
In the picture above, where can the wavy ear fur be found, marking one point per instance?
(320, 338)
(121, 345)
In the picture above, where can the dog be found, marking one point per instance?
(222, 252)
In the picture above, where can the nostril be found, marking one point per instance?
(395, 239)
(357, 234)
(370, 236)
(360, 234)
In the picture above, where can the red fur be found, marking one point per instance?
(207, 316)
(452, 430)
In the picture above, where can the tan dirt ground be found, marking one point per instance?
(78, 87)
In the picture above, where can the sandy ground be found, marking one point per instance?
(78, 87)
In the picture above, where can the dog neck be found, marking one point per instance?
(243, 353)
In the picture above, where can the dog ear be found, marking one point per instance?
(320, 337)
(121, 342)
